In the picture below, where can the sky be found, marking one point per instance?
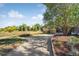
(18, 13)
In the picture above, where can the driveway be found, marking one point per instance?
(33, 46)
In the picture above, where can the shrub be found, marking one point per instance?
(58, 43)
(74, 40)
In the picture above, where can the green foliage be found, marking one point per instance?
(1, 29)
(10, 28)
(22, 27)
(65, 15)
(28, 28)
(10, 40)
(36, 27)
(74, 40)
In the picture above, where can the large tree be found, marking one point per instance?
(22, 27)
(64, 15)
(36, 27)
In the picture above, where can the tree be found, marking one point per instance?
(1, 29)
(10, 28)
(22, 27)
(48, 27)
(64, 15)
(28, 28)
(36, 27)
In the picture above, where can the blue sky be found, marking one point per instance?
(18, 13)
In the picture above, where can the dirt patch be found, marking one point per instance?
(62, 38)
(60, 45)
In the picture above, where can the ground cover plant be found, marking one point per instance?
(69, 47)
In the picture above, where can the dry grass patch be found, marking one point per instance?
(17, 33)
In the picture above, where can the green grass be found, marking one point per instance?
(12, 40)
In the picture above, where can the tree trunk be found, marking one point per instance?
(65, 28)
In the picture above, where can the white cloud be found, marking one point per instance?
(15, 14)
(12, 14)
(38, 17)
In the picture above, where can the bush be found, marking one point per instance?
(58, 43)
(74, 40)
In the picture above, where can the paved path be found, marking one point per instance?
(34, 46)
